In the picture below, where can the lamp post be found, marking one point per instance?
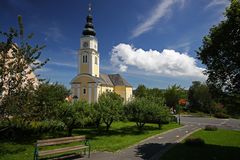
(181, 104)
(179, 117)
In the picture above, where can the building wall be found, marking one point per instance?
(121, 90)
(93, 91)
(87, 83)
(95, 67)
(129, 91)
(84, 67)
(31, 76)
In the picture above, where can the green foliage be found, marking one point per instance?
(111, 105)
(73, 115)
(48, 97)
(173, 94)
(95, 114)
(18, 59)
(220, 53)
(210, 128)
(143, 110)
(141, 91)
(154, 94)
(199, 97)
(221, 115)
(138, 111)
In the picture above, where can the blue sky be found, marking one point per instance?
(150, 42)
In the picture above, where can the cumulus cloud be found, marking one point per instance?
(162, 10)
(166, 63)
(122, 68)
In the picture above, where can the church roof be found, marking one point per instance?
(118, 80)
(105, 78)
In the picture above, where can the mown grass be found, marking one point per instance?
(121, 135)
(219, 145)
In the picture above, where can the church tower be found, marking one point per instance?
(88, 56)
(89, 84)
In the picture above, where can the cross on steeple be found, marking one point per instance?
(89, 28)
(89, 8)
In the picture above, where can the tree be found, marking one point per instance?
(18, 60)
(137, 111)
(220, 52)
(141, 91)
(73, 114)
(159, 114)
(144, 110)
(173, 94)
(111, 105)
(199, 97)
(95, 114)
(48, 98)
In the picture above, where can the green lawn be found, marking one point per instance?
(121, 135)
(219, 145)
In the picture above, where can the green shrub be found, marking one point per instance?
(194, 142)
(210, 128)
(173, 119)
(221, 115)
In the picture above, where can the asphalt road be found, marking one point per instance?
(233, 124)
(152, 148)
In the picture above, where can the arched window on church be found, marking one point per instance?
(84, 58)
(84, 90)
(96, 60)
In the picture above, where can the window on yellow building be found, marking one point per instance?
(84, 58)
(84, 90)
(96, 60)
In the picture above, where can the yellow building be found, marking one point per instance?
(89, 83)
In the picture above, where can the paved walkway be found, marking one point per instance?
(151, 148)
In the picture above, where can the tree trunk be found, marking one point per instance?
(98, 123)
(140, 125)
(108, 124)
(159, 125)
(70, 131)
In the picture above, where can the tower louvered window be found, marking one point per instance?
(84, 58)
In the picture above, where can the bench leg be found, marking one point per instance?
(85, 151)
(35, 153)
(89, 151)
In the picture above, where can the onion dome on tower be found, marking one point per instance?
(89, 28)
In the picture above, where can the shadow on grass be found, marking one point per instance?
(123, 131)
(71, 156)
(207, 151)
(15, 150)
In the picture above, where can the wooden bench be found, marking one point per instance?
(58, 141)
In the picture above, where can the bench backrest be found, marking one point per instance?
(55, 141)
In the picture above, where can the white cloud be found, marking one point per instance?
(70, 51)
(122, 68)
(162, 10)
(53, 33)
(185, 46)
(64, 64)
(165, 63)
(213, 3)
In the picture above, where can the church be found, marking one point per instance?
(89, 83)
